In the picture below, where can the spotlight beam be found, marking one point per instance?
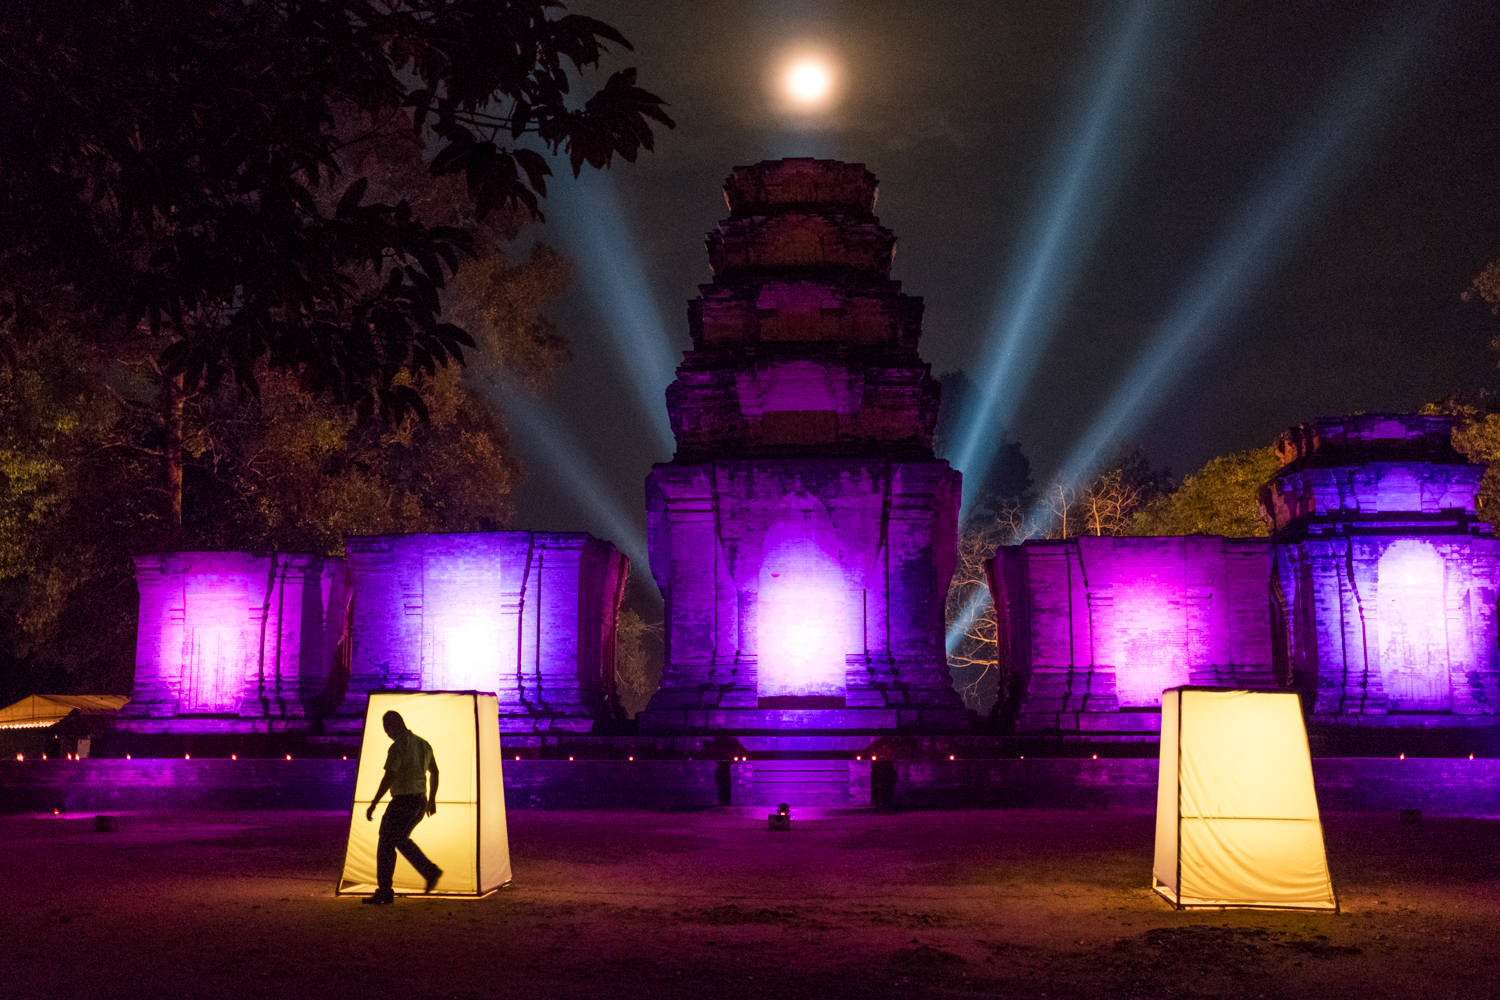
(545, 440)
(976, 606)
(1054, 250)
(1256, 242)
(599, 236)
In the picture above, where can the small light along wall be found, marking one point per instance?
(467, 836)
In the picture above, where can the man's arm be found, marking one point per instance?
(432, 798)
(385, 785)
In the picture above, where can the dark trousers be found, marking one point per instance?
(400, 819)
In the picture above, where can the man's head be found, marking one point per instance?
(394, 724)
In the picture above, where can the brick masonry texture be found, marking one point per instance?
(804, 535)
(233, 642)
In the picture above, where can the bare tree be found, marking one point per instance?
(972, 659)
(637, 670)
(1108, 504)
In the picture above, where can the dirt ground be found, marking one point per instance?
(992, 903)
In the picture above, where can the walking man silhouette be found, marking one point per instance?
(407, 764)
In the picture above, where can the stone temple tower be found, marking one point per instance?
(1385, 581)
(803, 535)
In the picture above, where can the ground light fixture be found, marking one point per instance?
(781, 819)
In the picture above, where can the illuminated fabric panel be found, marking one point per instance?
(1237, 816)
(1165, 864)
(467, 836)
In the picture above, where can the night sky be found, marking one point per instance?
(1312, 185)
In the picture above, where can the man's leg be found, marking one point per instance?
(401, 817)
(412, 853)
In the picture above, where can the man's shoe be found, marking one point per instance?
(432, 880)
(380, 899)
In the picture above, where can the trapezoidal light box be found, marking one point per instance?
(1236, 815)
(466, 837)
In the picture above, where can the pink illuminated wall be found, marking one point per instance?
(249, 639)
(803, 602)
(1096, 625)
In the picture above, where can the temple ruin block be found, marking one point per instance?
(803, 535)
(1095, 628)
(528, 615)
(1385, 580)
(235, 641)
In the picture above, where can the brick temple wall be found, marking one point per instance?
(234, 641)
(1095, 628)
(528, 615)
(804, 578)
(803, 535)
(1385, 580)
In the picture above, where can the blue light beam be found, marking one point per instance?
(587, 211)
(544, 439)
(1257, 241)
(976, 606)
(1055, 248)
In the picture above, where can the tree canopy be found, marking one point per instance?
(162, 161)
(244, 241)
(1222, 498)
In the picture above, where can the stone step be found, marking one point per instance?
(802, 783)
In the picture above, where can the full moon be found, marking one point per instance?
(809, 82)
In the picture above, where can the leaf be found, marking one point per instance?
(536, 169)
(353, 195)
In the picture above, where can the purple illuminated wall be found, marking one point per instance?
(1095, 629)
(1375, 595)
(1385, 581)
(231, 641)
(803, 535)
(528, 615)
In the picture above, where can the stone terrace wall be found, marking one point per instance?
(1095, 628)
(235, 641)
(528, 615)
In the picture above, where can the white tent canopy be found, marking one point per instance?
(1236, 815)
(41, 710)
(466, 837)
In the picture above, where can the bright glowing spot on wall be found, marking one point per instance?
(1152, 649)
(802, 626)
(1413, 632)
(468, 657)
